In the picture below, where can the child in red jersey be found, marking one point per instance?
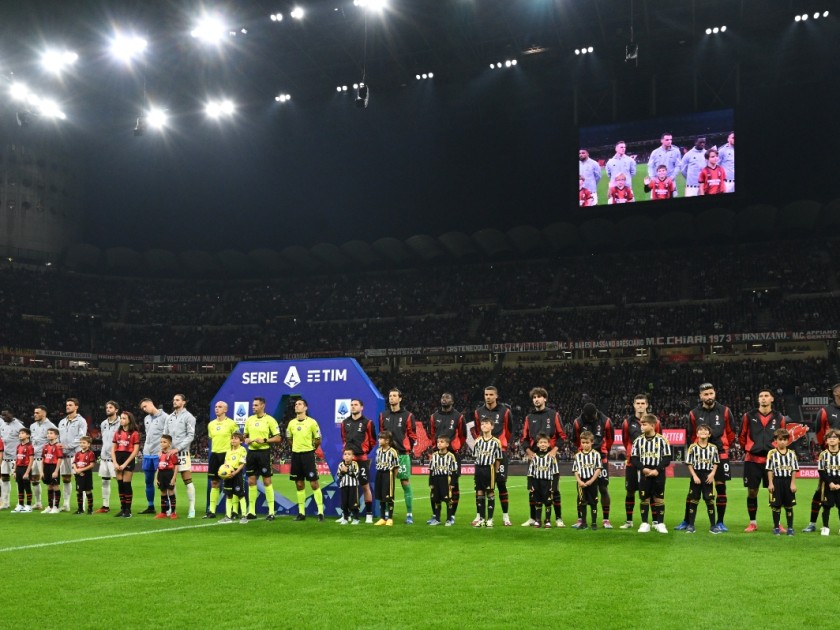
(585, 195)
(23, 463)
(620, 192)
(661, 186)
(166, 475)
(126, 448)
(51, 456)
(712, 177)
(83, 462)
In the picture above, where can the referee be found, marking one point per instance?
(305, 437)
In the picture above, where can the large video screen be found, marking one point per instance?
(660, 159)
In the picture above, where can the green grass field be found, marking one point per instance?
(639, 193)
(98, 571)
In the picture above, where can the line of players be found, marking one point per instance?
(706, 172)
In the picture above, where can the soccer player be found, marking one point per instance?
(83, 463)
(359, 434)
(349, 477)
(449, 422)
(304, 434)
(727, 161)
(234, 486)
(39, 428)
(126, 449)
(154, 424)
(180, 424)
(621, 164)
(827, 418)
(442, 469)
(702, 461)
(399, 423)
(219, 432)
(782, 466)
(500, 416)
(24, 454)
(543, 469)
(71, 429)
(542, 420)
(631, 429)
(603, 435)
(261, 431)
(387, 469)
(662, 186)
(620, 192)
(587, 468)
(719, 419)
(756, 439)
(590, 170)
(665, 155)
(167, 469)
(829, 467)
(9, 434)
(691, 164)
(487, 453)
(651, 456)
(585, 196)
(712, 178)
(52, 454)
(108, 428)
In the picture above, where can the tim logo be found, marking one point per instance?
(292, 378)
(342, 409)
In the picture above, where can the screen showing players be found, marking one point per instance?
(659, 159)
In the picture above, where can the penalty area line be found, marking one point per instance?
(108, 537)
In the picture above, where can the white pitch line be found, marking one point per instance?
(95, 538)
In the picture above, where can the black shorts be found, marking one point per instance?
(20, 471)
(121, 457)
(651, 488)
(84, 483)
(782, 495)
(235, 486)
(631, 479)
(541, 490)
(48, 478)
(164, 479)
(213, 464)
(349, 500)
(485, 478)
(755, 475)
(723, 472)
(384, 485)
(604, 479)
(830, 498)
(502, 473)
(588, 495)
(439, 485)
(304, 467)
(258, 463)
(697, 490)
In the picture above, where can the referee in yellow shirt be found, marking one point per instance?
(305, 436)
(261, 431)
(219, 432)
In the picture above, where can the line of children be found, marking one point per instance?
(442, 467)
(83, 463)
(587, 468)
(167, 472)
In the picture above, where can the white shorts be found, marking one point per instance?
(594, 199)
(184, 463)
(66, 466)
(7, 467)
(729, 186)
(692, 191)
(37, 468)
(106, 468)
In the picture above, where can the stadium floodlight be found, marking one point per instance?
(431, 75)
(804, 16)
(276, 17)
(283, 98)
(127, 47)
(57, 60)
(355, 86)
(825, 14)
(49, 109)
(590, 49)
(217, 109)
(210, 28)
(577, 51)
(297, 13)
(371, 5)
(343, 88)
(157, 118)
(723, 28)
(798, 18)
(19, 92)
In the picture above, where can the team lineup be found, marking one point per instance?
(44, 454)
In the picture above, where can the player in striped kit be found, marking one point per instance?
(587, 469)
(442, 470)
(349, 478)
(829, 467)
(782, 467)
(702, 460)
(543, 469)
(651, 456)
(487, 453)
(387, 468)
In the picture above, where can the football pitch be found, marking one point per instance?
(639, 193)
(98, 571)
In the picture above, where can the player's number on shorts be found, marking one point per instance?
(402, 469)
(501, 469)
(605, 473)
(726, 467)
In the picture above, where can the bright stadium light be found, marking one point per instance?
(128, 47)
(371, 5)
(276, 17)
(157, 118)
(283, 98)
(49, 109)
(297, 13)
(210, 29)
(19, 92)
(57, 60)
(217, 109)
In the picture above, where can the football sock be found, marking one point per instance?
(80, 500)
(789, 516)
(409, 497)
(686, 516)
(644, 509)
(172, 502)
(825, 516)
(67, 491)
(191, 495)
(252, 499)
(269, 499)
(215, 493)
(301, 501)
(605, 504)
(629, 506)
(479, 503)
(164, 503)
(36, 491)
(710, 510)
(319, 499)
(777, 515)
(558, 507)
(752, 507)
(720, 500)
(150, 487)
(491, 506)
(815, 506)
(6, 487)
(456, 497)
(106, 492)
(228, 504)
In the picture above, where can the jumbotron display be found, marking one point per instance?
(658, 159)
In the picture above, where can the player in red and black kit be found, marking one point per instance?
(756, 438)
(51, 456)
(500, 416)
(720, 420)
(827, 418)
(630, 430)
(83, 462)
(24, 455)
(357, 434)
(542, 420)
(400, 423)
(448, 422)
(600, 426)
(712, 177)
(661, 186)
